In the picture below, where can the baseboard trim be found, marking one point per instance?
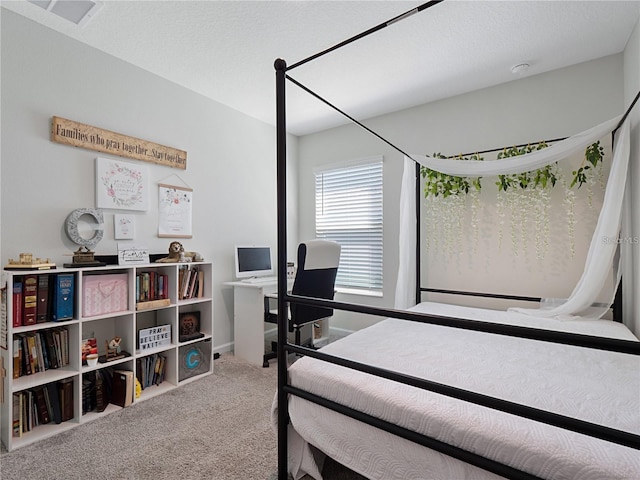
(226, 347)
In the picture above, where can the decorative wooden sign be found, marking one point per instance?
(81, 135)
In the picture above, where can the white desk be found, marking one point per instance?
(248, 319)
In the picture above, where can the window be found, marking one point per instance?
(349, 211)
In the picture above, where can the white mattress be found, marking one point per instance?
(592, 385)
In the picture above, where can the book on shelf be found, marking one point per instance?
(25, 415)
(63, 297)
(30, 299)
(151, 286)
(61, 344)
(184, 282)
(144, 281)
(65, 391)
(17, 357)
(42, 308)
(33, 355)
(161, 369)
(54, 400)
(51, 349)
(25, 364)
(190, 282)
(101, 400)
(122, 388)
(47, 401)
(41, 405)
(103, 383)
(27, 411)
(150, 370)
(17, 414)
(39, 351)
(139, 375)
(29, 366)
(43, 361)
(88, 392)
(200, 292)
(147, 305)
(17, 301)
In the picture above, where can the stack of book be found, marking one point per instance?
(150, 370)
(39, 351)
(97, 390)
(42, 298)
(190, 282)
(40, 405)
(151, 286)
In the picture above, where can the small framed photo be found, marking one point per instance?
(124, 227)
(189, 326)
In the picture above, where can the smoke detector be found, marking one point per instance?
(76, 11)
(520, 69)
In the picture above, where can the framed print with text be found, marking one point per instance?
(124, 227)
(121, 185)
(174, 211)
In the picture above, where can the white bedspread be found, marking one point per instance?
(592, 385)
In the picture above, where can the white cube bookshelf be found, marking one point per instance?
(126, 324)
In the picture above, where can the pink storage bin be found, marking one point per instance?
(103, 294)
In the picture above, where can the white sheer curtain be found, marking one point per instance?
(406, 283)
(522, 163)
(603, 244)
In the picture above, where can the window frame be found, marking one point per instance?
(377, 287)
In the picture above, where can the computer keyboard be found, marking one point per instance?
(259, 280)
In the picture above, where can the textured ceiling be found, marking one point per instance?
(225, 49)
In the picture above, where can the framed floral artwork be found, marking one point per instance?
(121, 185)
(174, 211)
(124, 227)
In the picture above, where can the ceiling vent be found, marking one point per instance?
(76, 11)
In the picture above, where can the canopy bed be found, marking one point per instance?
(444, 391)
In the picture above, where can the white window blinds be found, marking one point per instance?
(349, 211)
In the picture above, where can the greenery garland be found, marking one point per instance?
(592, 157)
(448, 192)
(437, 183)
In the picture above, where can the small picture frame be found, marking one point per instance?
(130, 254)
(121, 185)
(189, 326)
(124, 227)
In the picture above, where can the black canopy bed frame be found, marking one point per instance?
(285, 389)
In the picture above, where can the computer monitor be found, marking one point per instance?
(253, 261)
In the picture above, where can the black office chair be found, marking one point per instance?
(316, 278)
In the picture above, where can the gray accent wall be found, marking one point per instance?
(231, 157)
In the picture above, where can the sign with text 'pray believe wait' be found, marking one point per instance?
(154, 337)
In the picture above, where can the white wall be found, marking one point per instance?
(631, 89)
(546, 106)
(230, 166)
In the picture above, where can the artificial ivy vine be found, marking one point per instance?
(437, 183)
(522, 192)
(592, 157)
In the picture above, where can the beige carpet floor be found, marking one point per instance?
(216, 428)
